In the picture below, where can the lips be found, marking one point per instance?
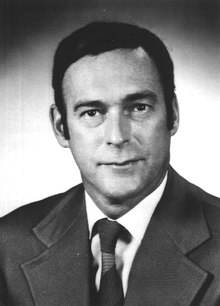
(121, 163)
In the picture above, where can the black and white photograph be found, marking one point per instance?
(110, 153)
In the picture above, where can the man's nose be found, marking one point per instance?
(117, 130)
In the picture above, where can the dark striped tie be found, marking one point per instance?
(110, 291)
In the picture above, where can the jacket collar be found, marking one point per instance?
(181, 213)
(162, 272)
(179, 210)
(61, 274)
(61, 218)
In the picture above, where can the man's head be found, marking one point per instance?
(100, 37)
(118, 106)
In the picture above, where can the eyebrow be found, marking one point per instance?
(95, 103)
(146, 94)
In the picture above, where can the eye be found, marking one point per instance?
(92, 117)
(92, 113)
(140, 107)
(138, 111)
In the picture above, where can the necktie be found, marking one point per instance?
(110, 291)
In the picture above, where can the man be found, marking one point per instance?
(116, 110)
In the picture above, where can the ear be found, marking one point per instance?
(57, 125)
(176, 116)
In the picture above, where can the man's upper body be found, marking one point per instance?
(116, 110)
(45, 256)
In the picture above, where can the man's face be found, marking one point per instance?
(117, 122)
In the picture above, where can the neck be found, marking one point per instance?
(114, 207)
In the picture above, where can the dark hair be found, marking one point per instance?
(100, 37)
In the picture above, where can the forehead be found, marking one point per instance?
(111, 73)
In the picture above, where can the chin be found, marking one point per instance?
(121, 191)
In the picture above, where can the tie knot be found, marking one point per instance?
(108, 232)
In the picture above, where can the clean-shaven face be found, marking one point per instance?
(117, 120)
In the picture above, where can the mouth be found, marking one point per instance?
(122, 164)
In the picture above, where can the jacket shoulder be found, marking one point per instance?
(194, 195)
(209, 204)
(211, 208)
(29, 215)
(205, 198)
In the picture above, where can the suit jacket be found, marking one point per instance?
(45, 251)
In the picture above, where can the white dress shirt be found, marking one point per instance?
(135, 221)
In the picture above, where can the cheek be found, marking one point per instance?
(161, 143)
(86, 137)
(82, 145)
(153, 134)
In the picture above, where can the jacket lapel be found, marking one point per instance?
(162, 272)
(60, 275)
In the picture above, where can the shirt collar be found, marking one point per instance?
(135, 220)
